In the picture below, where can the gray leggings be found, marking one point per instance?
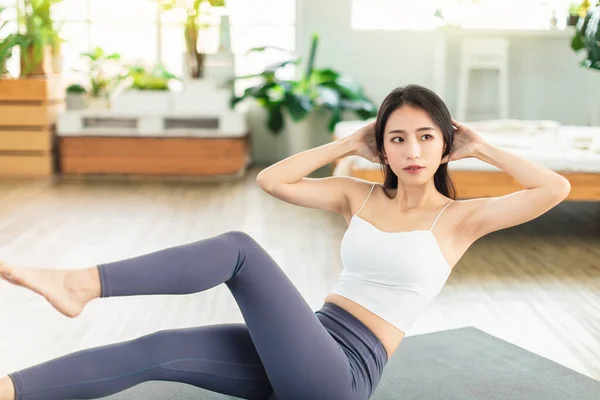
(283, 351)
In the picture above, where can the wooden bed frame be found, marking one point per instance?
(473, 184)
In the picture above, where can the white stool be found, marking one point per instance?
(483, 53)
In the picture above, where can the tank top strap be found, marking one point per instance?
(365, 202)
(438, 217)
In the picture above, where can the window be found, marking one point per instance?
(392, 14)
(470, 14)
(141, 32)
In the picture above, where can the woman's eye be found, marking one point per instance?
(427, 134)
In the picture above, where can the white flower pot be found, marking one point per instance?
(97, 103)
(76, 101)
(312, 131)
(302, 135)
(200, 97)
(268, 147)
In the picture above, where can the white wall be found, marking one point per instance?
(546, 81)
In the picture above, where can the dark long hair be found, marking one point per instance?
(426, 100)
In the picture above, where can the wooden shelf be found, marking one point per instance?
(29, 109)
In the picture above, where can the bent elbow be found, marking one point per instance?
(264, 184)
(563, 188)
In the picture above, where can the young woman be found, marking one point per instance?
(397, 255)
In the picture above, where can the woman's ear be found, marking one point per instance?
(445, 158)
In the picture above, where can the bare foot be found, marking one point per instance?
(66, 290)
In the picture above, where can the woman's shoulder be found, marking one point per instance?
(463, 211)
(358, 191)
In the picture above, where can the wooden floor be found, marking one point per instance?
(537, 285)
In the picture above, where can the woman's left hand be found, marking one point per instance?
(466, 142)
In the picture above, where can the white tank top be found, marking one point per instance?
(392, 274)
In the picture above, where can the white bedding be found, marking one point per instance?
(558, 147)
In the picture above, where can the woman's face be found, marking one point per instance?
(411, 138)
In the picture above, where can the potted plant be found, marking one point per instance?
(104, 71)
(41, 37)
(145, 91)
(194, 11)
(319, 92)
(76, 97)
(587, 38)
(573, 14)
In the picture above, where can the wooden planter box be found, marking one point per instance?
(155, 156)
(29, 108)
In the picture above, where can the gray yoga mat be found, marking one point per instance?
(458, 364)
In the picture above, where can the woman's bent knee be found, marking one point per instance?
(240, 238)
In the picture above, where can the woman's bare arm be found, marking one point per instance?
(287, 181)
(544, 190)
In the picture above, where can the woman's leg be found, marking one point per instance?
(221, 358)
(299, 356)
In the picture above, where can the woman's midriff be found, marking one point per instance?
(389, 335)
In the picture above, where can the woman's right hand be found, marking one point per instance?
(365, 144)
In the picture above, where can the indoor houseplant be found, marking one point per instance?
(76, 97)
(192, 28)
(41, 39)
(103, 73)
(7, 43)
(573, 15)
(322, 91)
(145, 90)
(587, 38)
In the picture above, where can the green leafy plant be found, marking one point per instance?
(155, 79)
(39, 31)
(191, 29)
(76, 88)
(587, 37)
(100, 80)
(317, 88)
(8, 43)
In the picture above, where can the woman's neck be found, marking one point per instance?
(416, 197)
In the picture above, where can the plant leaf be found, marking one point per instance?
(577, 43)
(260, 49)
(311, 58)
(328, 97)
(275, 66)
(324, 75)
(298, 105)
(275, 119)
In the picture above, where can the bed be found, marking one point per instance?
(572, 151)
